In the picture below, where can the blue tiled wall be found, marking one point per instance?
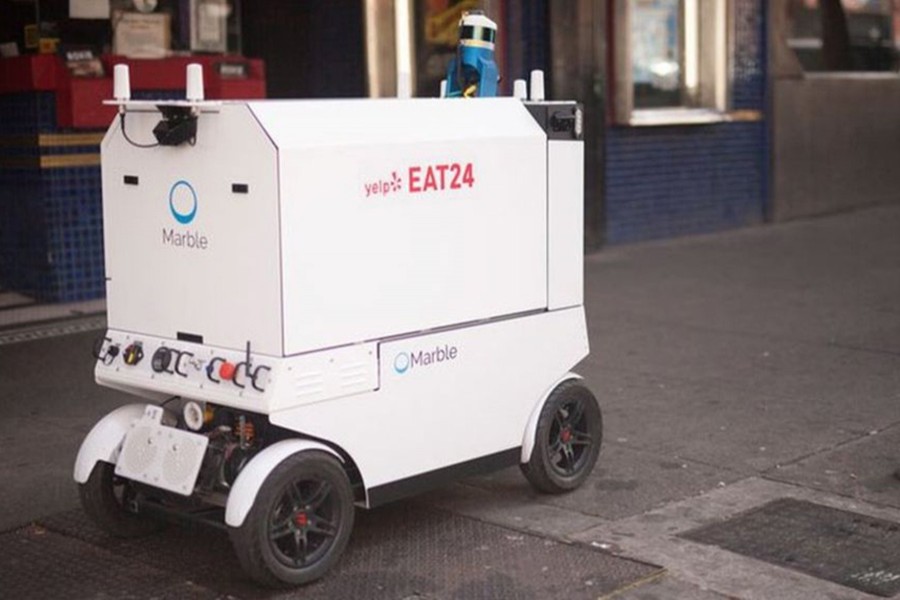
(23, 247)
(51, 238)
(72, 200)
(27, 113)
(51, 219)
(672, 181)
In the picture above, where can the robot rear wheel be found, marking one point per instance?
(567, 441)
(107, 500)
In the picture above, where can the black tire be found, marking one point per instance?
(300, 523)
(568, 439)
(106, 499)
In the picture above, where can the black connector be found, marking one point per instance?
(161, 360)
(111, 353)
(256, 375)
(97, 349)
(211, 369)
(177, 368)
(134, 353)
(237, 369)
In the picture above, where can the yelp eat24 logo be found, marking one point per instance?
(424, 178)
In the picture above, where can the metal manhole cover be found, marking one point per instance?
(847, 548)
(39, 563)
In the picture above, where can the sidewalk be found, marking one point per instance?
(733, 370)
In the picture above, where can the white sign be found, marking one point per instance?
(88, 9)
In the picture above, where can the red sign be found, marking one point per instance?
(437, 178)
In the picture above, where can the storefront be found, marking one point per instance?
(835, 93)
(674, 94)
(55, 71)
(675, 97)
(686, 141)
(56, 67)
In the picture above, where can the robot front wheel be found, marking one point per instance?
(300, 522)
(567, 441)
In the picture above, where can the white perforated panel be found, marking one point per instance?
(161, 456)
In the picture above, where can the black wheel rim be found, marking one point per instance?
(304, 522)
(570, 439)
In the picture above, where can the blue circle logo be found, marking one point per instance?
(182, 196)
(401, 363)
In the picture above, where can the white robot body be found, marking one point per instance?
(397, 283)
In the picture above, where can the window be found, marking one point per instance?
(672, 61)
(658, 68)
(845, 35)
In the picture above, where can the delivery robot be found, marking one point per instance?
(331, 304)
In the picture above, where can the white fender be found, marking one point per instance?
(246, 486)
(531, 429)
(104, 442)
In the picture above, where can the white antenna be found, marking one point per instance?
(443, 88)
(194, 82)
(121, 83)
(520, 89)
(404, 84)
(537, 85)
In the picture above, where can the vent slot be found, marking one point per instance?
(190, 337)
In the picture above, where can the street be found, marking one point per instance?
(733, 370)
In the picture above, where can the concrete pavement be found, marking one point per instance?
(732, 369)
